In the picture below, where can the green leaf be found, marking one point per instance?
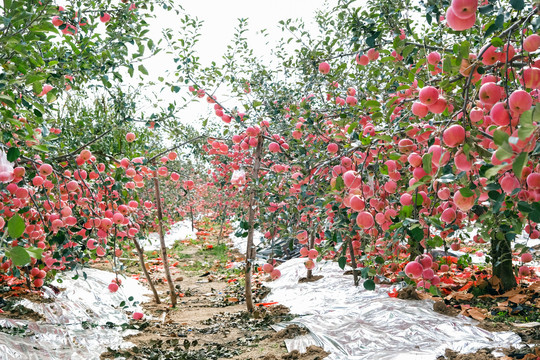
(485, 9)
(517, 4)
(405, 212)
(497, 42)
(518, 164)
(143, 69)
(526, 126)
(426, 162)
(525, 207)
(13, 153)
(16, 226)
(372, 104)
(369, 284)
(493, 170)
(466, 192)
(525, 131)
(448, 178)
(464, 49)
(408, 49)
(416, 233)
(41, 148)
(340, 184)
(447, 64)
(51, 96)
(35, 252)
(19, 256)
(105, 81)
(497, 25)
(500, 137)
(244, 225)
(503, 152)
(342, 261)
(496, 195)
(535, 214)
(435, 241)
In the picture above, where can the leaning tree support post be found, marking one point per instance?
(311, 245)
(353, 263)
(192, 220)
(223, 213)
(160, 217)
(140, 252)
(250, 250)
(162, 241)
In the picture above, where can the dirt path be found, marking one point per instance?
(210, 321)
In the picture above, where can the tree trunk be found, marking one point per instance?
(353, 264)
(223, 214)
(140, 252)
(311, 245)
(192, 221)
(164, 258)
(501, 254)
(250, 248)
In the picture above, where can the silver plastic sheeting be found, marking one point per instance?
(178, 231)
(240, 243)
(357, 324)
(62, 334)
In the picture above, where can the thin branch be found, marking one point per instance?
(152, 159)
(74, 152)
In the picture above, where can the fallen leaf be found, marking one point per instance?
(512, 292)
(462, 296)
(476, 314)
(535, 286)
(424, 295)
(518, 298)
(495, 282)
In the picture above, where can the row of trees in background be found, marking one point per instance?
(400, 128)
(84, 172)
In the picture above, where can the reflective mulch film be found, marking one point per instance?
(81, 322)
(179, 230)
(357, 324)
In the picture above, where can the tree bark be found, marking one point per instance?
(311, 245)
(223, 214)
(140, 252)
(353, 264)
(250, 249)
(164, 258)
(192, 221)
(501, 254)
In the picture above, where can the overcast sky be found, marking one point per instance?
(220, 19)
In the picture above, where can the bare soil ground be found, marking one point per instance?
(210, 320)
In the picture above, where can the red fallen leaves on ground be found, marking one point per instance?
(11, 281)
(17, 287)
(449, 259)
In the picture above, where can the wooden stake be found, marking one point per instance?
(353, 264)
(164, 258)
(140, 252)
